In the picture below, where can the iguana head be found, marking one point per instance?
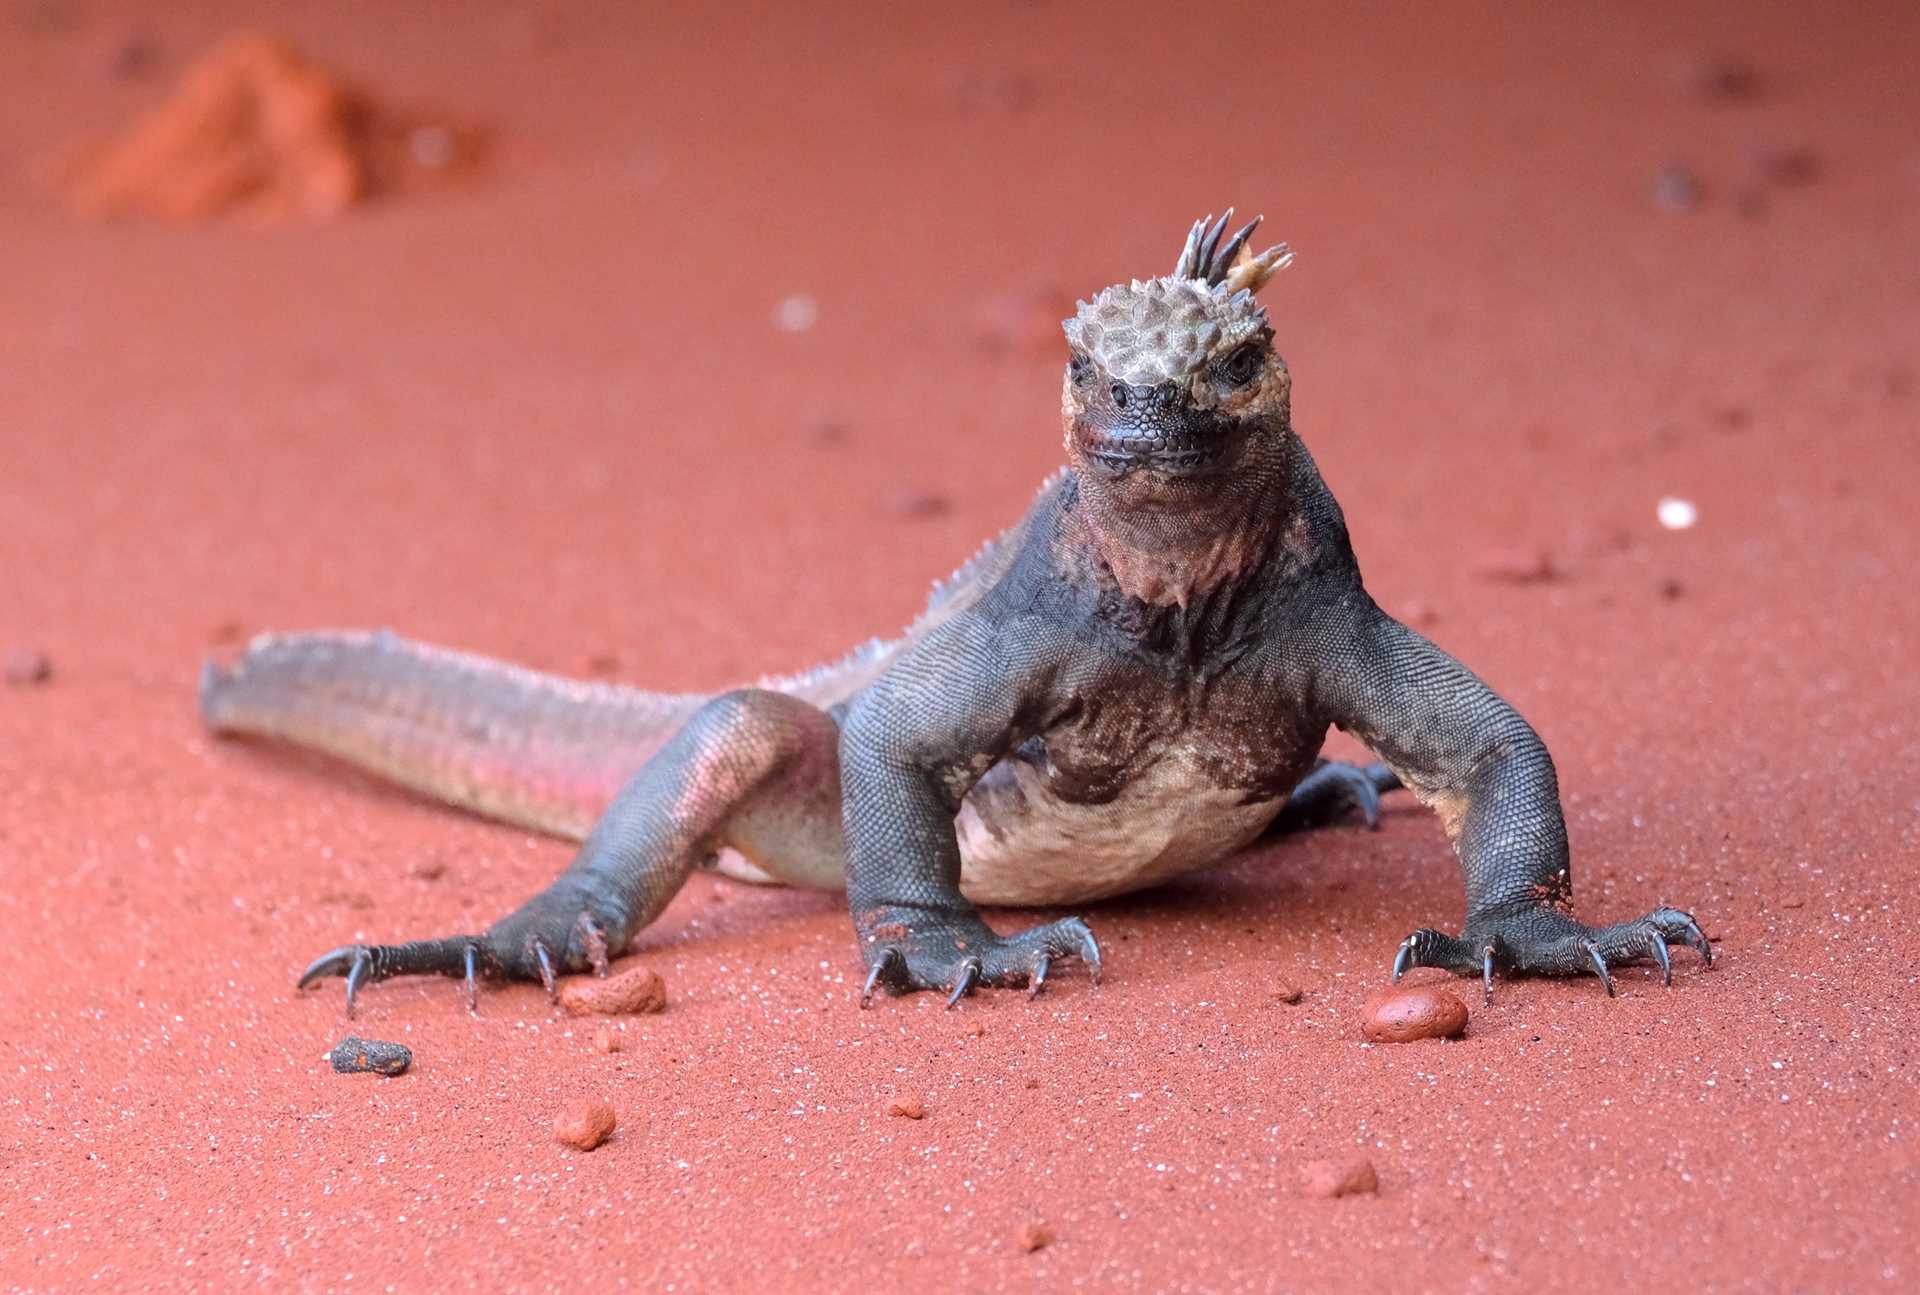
(1173, 383)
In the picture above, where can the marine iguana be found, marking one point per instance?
(1133, 681)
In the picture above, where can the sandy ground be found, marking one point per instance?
(549, 416)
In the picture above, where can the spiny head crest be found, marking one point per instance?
(1169, 327)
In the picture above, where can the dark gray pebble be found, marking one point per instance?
(354, 1055)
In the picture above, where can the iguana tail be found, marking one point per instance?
(534, 749)
(514, 744)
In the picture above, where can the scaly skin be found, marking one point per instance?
(1133, 682)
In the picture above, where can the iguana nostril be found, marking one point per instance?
(1120, 394)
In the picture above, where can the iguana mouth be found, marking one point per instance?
(1120, 455)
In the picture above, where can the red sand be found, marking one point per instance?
(549, 417)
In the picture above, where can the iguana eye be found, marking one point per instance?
(1241, 367)
(1077, 368)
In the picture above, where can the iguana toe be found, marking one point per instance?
(1544, 941)
(363, 964)
(958, 956)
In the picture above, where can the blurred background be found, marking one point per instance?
(720, 280)
(678, 343)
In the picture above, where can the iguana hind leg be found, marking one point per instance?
(753, 771)
(1331, 791)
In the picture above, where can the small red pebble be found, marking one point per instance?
(1285, 992)
(1033, 1236)
(1516, 566)
(911, 1108)
(25, 667)
(605, 1040)
(916, 503)
(630, 993)
(584, 1124)
(1328, 1179)
(1415, 1012)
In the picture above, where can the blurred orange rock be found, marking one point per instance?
(1330, 1179)
(256, 128)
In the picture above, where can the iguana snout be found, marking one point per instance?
(1127, 426)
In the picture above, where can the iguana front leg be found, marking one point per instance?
(1469, 756)
(910, 749)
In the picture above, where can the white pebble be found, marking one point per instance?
(1677, 514)
(432, 146)
(796, 314)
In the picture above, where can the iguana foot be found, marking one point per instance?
(957, 953)
(556, 931)
(1333, 790)
(1544, 941)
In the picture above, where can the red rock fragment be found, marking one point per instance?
(584, 1125)
(1789, 168)
(908, 1108)
(631, 993)
(1330, 1179)
(602, 665)
(1285, 992)
(1033, 1236)
(916, 504)
(605, 1040)
(1413, 1012)
(1723, 80)
(1514, 565)
(26, 667)
(256, 127)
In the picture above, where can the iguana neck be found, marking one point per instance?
(1177, 558)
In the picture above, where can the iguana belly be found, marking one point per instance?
(1021, 843)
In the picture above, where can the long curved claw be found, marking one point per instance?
(1659, 943)
(1403, 959)
(1090, 954)
(357, 976)
(546, 970)
(1600, 966)
(596, 944)
(332, 963)
(1038, 980)
(1697, 939)
(888, 956)
(1367, 798)
(969, 977)
(1486, 976)
(468, 959)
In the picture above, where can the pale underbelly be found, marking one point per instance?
(1021, 844)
